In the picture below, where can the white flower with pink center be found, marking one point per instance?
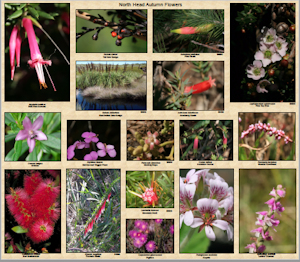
(270, 37)
(281, 46)
(208, 209)
(267, 54)
(187, 192)
(218, 189)
(255, 71)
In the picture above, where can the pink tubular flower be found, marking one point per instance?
(150, 246)
(37, 60)
(109, 149)
(196, 142)
(14, 49)
(31, 132)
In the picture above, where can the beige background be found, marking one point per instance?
(68, 112)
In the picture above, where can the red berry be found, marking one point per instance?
(106, 24)
(271, 72)
(113, 34)
(292, 28)
(284, 63)
(243, 31)
(120, 37)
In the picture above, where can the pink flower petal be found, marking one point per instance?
(23, 134)
(37, 124)
(210, 233)
(40, 135)
(101, 153)
(31, 144)
(101, 146)
(188, 218)
(111, 152)
(27, 123)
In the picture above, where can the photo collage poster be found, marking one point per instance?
(150, 130)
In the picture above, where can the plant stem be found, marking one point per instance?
(186, 239)
(167, 143)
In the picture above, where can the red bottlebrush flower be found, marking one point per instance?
(101, 210)
(44, 196)
(54, 173)
(193, 30)
(18, 205)
(40, 231)
(32, 182)
(200, 87)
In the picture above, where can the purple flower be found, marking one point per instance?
(138, 243)
(138, 223)
(251, 247)
(150, 246)
(172, 229)
(31, 132)
(91, 156)
(109, 149)
(255, 71)
(144, 226)
(132, 233)
(90, 137)
(143, 238)
(158, 221)
(70, 151)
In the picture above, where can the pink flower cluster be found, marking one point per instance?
(215, 207)
(35, 206)
(90, 137)
(266, 219)
(139, 236)
(278, 134)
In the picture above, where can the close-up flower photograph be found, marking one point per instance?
(267, 216)
(150, 236)
(32, 211)
(91, 140)
(206, 211)
(263, 51)
(32, 136)
(37, 52)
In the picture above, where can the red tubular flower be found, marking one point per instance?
(37, 60)
(193, 30)
(196, 142)
(14, 49)
(200, 87)
(224, 140)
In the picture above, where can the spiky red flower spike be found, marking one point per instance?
(31, 182)
(200, 87)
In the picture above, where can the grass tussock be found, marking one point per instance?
(106, 80)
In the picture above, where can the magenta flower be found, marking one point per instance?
(143, 226)
(138, 243)
(70, 151)
(158, 221)
(150, 246)
(109, 149)
(90, 137)
(14, 49)
(31, 132)
(132, 233)
(37, 60)
(143, 238)
(172, 229)
(91, 156)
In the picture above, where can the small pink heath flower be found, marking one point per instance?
(255, 71)
(150, 246)
(31, 132)
(151, 140)
(37, 60)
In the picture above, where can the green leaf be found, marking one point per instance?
(32, 156)
(33, 12)
(52, 141)
(45, 15)
(22, 6)
(197, 242)
(10, 249)
(8, 6)
(10, 137)
(201, 123)
(15, 15)
(19, 230)
(20, 247)
(8, 118)
(55, 122)
(171, 74)
(18, 150)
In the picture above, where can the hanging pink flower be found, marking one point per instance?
(37, 60)
(14, 49)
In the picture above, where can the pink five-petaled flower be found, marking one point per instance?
(109, 149)
(150, 246)
(90, 137)
(208, 208)
(14, 49)
(255, 71)
(31, 132)
(151, 140)
(37, 60)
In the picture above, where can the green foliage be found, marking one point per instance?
(86, 192)
(44, 150)
(164, 188)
